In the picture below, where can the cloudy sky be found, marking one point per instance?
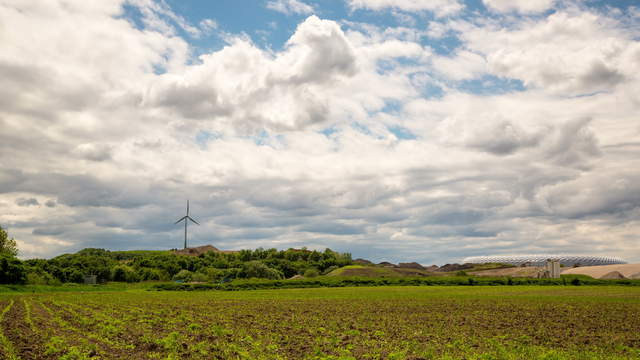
(399, 130)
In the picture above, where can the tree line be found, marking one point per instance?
(136, 266)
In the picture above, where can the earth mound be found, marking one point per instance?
(614, 275)
(195, 251)
(411, 265)
(454, 267)
(387, 264)
(362, 262)
(627, 270)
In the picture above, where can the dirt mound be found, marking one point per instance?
(195, 251)
(454, 267)
(597, 271)
(296, 277)
(531, 272)
(387, 264)
(635, 276)
(612, 276)
(411, 265)
(362, 262)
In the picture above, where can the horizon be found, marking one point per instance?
(396, 130)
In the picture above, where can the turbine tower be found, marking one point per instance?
(186, 219)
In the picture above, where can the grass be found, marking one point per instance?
(406, 322)
(72, 287)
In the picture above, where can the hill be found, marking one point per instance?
(202, 264)
(629, 271)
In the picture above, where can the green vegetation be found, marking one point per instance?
(136, 266)
(409, 323)
(11, 269)
(326, 281)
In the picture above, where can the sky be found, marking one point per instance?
(396, 130)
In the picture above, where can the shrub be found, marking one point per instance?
(146, 274)
(311, 273)
(123, 273)
(257, 269)
(199, 277)
(183, 275)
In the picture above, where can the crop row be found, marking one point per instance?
(345, 323)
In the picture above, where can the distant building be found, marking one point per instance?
(540, 260)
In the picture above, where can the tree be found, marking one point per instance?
(12, 270)
(7, 245)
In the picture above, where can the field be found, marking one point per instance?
(506, 322)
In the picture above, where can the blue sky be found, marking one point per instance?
(404, 130)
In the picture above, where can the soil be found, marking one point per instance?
(454, 267)
(195, 251)
(411, 265)
(627, 270)
(25, 341)
(511, 272)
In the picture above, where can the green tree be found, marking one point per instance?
(12, 270)
(7, 245)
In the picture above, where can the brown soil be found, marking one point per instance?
(195, 251)
(454, 267)
(27, 343)
(627, 270)
(612, 276)
(511, 272)
(411, 265)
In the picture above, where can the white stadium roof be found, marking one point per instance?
(566, 260)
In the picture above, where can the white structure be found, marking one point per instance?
(540, 260)
(551, 269)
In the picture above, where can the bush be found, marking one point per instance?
(34, 278)
(311, 273)
(183, 275)
(123, 273)
(199, 277)
(146, 274)
(257, 269)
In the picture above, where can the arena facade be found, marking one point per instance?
(539, 260)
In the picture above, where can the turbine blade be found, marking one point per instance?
(189, 217)
(182, 218)
(187, 207)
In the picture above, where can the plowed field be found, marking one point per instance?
(518, 322)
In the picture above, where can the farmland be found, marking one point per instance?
(335, 323)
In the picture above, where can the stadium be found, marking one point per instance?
(539, 260)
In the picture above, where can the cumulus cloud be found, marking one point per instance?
(570, 53)
(439, 7)
(290, 7)
(363, 138)
(521, 6)
(248, 87)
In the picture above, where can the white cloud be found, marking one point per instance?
(568, 53)
(521, 6)
(439, 7)
(304, 145)
(290, 7)
(208, 25)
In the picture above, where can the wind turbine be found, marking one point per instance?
(186, 219)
